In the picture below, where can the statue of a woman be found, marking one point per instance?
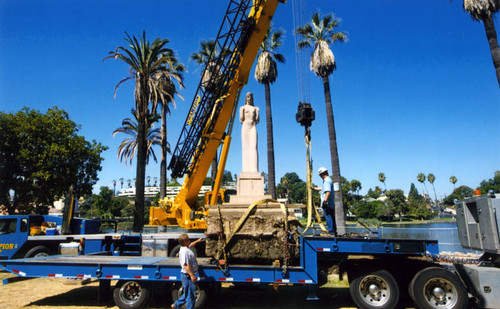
(249, 117)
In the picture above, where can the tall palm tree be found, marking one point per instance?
(114, 187)
(421, 178)
(128, 147)
(381, 178)
(453, 180)
(318, 35)
(266, 73)
(206, 58)
(121, 182)
(146, 60)
(165, 91)
(484, 10)
(431, 178)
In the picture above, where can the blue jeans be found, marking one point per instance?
(330, 220)
(189, 295)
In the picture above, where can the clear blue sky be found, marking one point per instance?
(415, 89)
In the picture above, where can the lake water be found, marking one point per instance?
(445, 233)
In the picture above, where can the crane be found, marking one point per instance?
(213, 108)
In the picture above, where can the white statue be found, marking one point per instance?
(249, 117)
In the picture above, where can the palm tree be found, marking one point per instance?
(381, 178)
(165, 91)
(421, 178)
(206, 58)
(266, 73)
(128, 147)
(484, 10)
(121, 182)
(431, 178)
(146, 60)
(114, 187)
(155, 181)
(129, 182)
(320, 33)
(148, 179)
(453, 180)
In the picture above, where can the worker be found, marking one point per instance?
(189, 268)
(327, 200)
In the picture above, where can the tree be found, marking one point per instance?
(227, 177)
(41, 156)
(417, 206)
(453, 180)
(492, 184)
(165, 91)
(146, 61)
(431, 178)
(128, 147)
(320, 33)
(107, 205)
(484, 10)
(413, 194)
(458, 194)
(421, 178)
(371, 193)
(397, 202)
(266, 73)
(369, 210)
(381, 178)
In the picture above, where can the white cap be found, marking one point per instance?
(322, 170)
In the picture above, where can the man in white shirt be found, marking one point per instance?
(189, 269)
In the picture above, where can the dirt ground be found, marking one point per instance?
(62, 293)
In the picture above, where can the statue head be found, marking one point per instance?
(249, 99)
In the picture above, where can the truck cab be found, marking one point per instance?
(36, 235)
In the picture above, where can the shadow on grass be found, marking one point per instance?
(237, 297)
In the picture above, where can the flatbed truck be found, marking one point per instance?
(379, 271)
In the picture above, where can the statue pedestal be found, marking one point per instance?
(250, 189)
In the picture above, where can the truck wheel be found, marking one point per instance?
(38, 251)
(175, 251)
(376, 289)
(435, 287)
(131, 294)
(201, 295)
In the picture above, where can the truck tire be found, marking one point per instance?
(436, 287)
(38, 251)
(374, 289)
(175, 251)
(201, 295)
(131, 294)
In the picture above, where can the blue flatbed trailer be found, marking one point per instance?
(376, 257)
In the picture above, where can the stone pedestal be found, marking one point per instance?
(250, 188)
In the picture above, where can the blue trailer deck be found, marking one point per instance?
(167, 269)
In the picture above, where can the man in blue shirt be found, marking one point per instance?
(327, 200)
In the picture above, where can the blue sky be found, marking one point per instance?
(415, 89)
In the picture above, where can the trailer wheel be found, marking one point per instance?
(175, 251)
(131, 294)
(201, 295)
(435, 287)
(376, 289)
(38, 251)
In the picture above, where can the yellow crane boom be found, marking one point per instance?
(212, 109)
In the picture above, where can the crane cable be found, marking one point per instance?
(304, 95)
